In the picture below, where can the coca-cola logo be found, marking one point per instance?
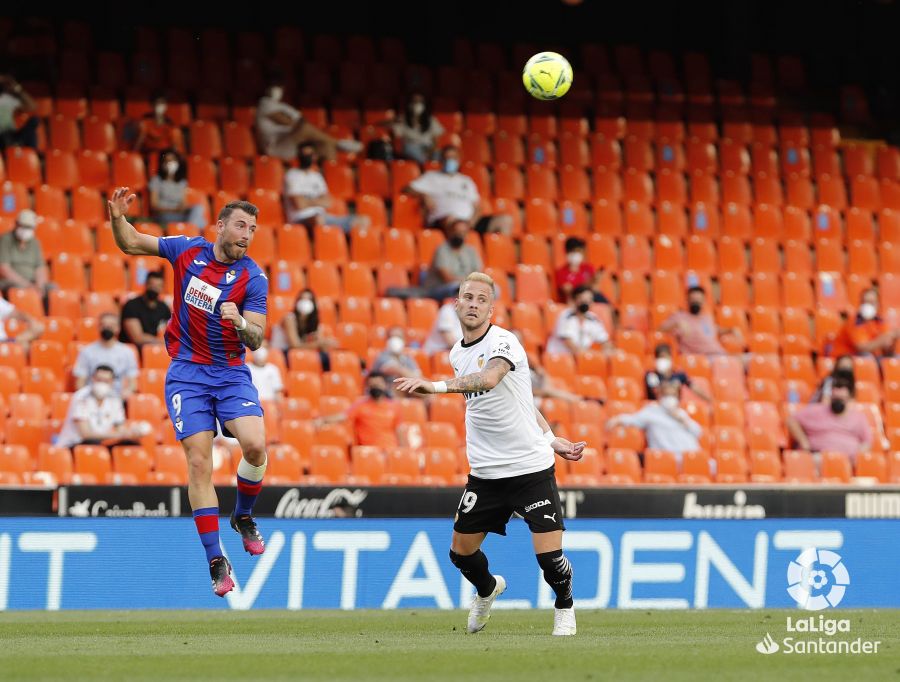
(292, 506)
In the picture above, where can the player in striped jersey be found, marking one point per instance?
(219, 309)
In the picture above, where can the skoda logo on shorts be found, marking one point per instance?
(817, 579)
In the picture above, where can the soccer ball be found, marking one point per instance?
(547, 75)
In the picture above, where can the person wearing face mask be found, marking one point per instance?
(374, 418)
(451, 263)
(695, 330)
(300, 329)
(22, 261)
(417, 131)
(168, 193)
(266, 376)
(144, 317)
(449, 196)
(664, 370)
(665, 424)
(837, 426)
(578, 329)
(307, 199)
(157, 131)
(281, 128)
(865, 334)
(393, 361)
(576, 272)
(108, 351)
(96, 416)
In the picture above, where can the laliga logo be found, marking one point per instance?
(817, 579)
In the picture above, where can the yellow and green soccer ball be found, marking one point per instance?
(547, 75)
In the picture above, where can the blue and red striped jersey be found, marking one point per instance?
(196, 332)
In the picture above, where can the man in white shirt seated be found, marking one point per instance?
(577, 328)
(665, 424)
(445, 331)
(448, 196)
(307, 199)
(281, 128)
(266, 376)
(96, 415)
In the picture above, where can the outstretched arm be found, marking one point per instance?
(128, 239)
(485, 380)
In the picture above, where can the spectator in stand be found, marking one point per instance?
(22, 261)
(33, 328)
(445, 331)
(96, 415)
(577, 328)
(393, 362)
(448, 196)
(867, 333)
(168, 193)
(374, 418)
(451, 263)
(157, 132)
(266, 376)
(281, 128)
(307, 199)
(14, 100)
(144, 317)
(843, 365)
(417, 131)
(695, 330)
(576, 273)
(300, 329)
(666, 425)
(837, 426)
(664, 371)
(108, 352)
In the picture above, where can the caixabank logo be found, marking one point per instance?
(817, 580)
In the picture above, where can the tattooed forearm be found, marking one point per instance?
(484, 380)
(252, 336)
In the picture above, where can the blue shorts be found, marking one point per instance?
(198, 395)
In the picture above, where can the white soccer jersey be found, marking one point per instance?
(503, 438)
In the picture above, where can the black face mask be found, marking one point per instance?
(377, 393)
(695, 308)
(107, 334)
(583, 307)
(306, 160)
(456, 241)
(151, 295)
(838, 405)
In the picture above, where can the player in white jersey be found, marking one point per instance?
(510, 448)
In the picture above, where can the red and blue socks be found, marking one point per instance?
(207, 522)
(249, 483)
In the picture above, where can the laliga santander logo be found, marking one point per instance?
(817, 579)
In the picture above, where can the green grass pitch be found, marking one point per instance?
(426, 645)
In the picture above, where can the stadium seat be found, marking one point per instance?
(15, 459)
(660, 466)
(622, 467)
(92, 459)
(799, 467)
(835, 468)
(872, 465)
(329, 462)
(694, 468)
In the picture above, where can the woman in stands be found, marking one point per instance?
(300, 329)
(158, 132)
(168, 193)
(417, 131)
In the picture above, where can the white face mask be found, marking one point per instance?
(669, 402)
(663, 365)
(574, 258)
(276, 93)
(305, 306)
(867, 311)
(160, 109)
(24, 234)
(172, 167)
(395, 344)
(417, 108)
(260, 355)
(101, 390)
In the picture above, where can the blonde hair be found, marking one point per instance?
(480, 277)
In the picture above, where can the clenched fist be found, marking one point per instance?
(229, 312)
